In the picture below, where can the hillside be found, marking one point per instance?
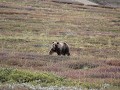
(85, 2)
(27, 30)
(110, 3)
(113, 3)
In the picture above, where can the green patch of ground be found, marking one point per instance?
(17, 76)
(22, 76)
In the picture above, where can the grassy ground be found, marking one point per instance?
(28, 28)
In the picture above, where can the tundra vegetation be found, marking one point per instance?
(28, 28)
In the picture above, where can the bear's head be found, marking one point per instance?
(54, 47)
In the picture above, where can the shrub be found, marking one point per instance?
(4, 74)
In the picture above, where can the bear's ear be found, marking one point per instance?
(52, 42)
(57, 42)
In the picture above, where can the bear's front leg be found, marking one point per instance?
(58, 53)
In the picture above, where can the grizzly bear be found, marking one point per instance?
(61, 48)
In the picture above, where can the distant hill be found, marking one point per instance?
(110, 3)
(85, 2)
(113, 3)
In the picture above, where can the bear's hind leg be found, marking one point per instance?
(68, 54)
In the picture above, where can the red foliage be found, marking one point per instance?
(114, 62)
